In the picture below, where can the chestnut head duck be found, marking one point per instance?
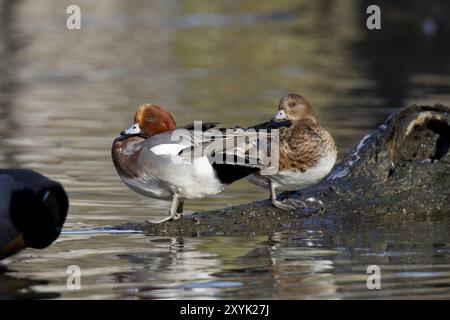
(307, 152)
(150, 162)
(33, 209)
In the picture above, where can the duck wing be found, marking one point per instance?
(272, 125)
(204, 125)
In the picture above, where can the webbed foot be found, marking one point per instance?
(289, 204)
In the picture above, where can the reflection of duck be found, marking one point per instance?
(144, 158)
(33, 209)
(307, 152)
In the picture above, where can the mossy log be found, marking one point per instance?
(400, 168)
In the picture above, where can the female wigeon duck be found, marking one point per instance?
(307, 152)
(148, 160)
(33, 209)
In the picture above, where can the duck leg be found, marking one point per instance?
(286, 205)
(176, 208)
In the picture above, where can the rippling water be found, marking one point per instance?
(65, 95)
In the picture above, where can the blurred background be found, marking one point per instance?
(66, 94)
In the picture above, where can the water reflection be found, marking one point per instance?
(414, 48)
(12, 288)
(325, 260)
(66, 94)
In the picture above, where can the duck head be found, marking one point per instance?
(149, 120)
(294, 107)
(33, 210)
(39, 215)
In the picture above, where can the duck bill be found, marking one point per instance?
(12, 247)
(280, 116)
(133, 130)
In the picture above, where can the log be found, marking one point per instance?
(401, 168)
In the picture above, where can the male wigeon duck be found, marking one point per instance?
(33, 209)
(149, 161)
(307, 152)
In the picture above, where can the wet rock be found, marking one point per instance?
(402, 167)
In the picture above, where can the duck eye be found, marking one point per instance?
(151, 119)
(291, 104)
